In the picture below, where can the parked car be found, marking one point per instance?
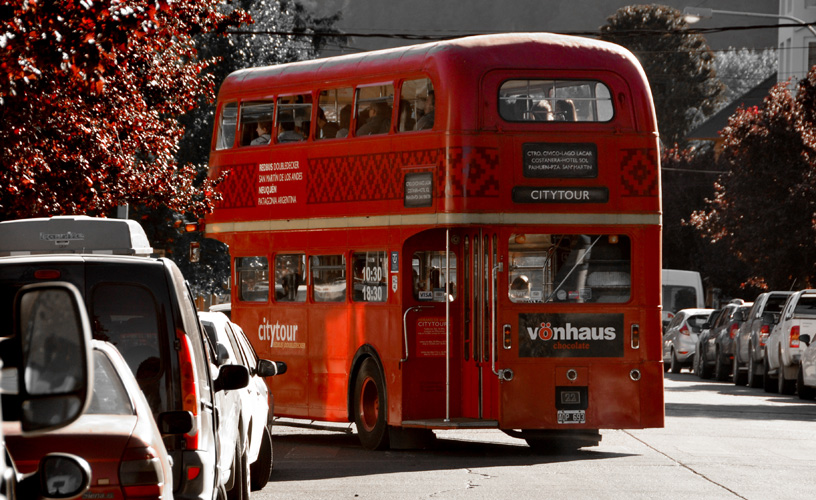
(806, 376)
(117, 435)
(43, 320)
(724, 341)
(681, 290)
(141, 305)
(784, 350)
(749, 347)
(705, 355)
(680, 339)
(251, 438)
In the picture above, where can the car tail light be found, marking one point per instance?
(684, 330)
(140, 473)
(764, 332)
(189, 389)
(734, 329)
(794, 336)
(47, 274)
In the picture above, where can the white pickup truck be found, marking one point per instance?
(783, 350)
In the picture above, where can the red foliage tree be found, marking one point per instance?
(764, 207)
(90, 92)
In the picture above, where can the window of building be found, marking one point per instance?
(334, 114)
(290, 271)
(370, 275)
(416, 105)
(257, 119)
(374, 106)
(227, 124)
(328, 278)
(294, 118)
(253, 278)
(429, 269)
(555, 100)
(569, 268)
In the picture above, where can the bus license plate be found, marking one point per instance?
(571, 416)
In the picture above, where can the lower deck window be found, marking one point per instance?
(328, 278)
(253, 278)
(579, 268)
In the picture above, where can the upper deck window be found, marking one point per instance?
(416, 105)
(334, 113)
(555, 100)
(256, 122)
(227, 125)
(374, 106)
(294, 118)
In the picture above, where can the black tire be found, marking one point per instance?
(370, 407)
(261, 468)
(768, 383)
(804, 391)
(240, 486)
(786, 386)
(675, 364)
(706, 371)
(740, 377)
(754, 378)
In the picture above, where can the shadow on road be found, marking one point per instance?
(307, 456)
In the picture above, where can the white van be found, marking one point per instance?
(681, 290)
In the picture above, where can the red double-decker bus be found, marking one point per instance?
(461, 234)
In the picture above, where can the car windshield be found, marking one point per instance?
(109, 394)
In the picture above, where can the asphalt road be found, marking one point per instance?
(720, 441)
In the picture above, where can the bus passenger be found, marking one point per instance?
(328, 130)
(286, 129)
(542, 111)
(379, 120)
(565, 110)
(427, 119)
(406, 121)
(345, 121)
(263, 129)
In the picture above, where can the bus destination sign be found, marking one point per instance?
(529, 194)
(418, 189)
(547, 160)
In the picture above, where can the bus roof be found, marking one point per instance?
(476, 54)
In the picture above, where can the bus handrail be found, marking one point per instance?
(405, 328)
(496, 269)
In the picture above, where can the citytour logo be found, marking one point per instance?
(280, 336)
(570, 335)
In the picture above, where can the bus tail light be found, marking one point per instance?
(508, 337)
(140, 473)
(635, 336)
(764, 332)
(794, 336)
(684, 330)
(189, 389)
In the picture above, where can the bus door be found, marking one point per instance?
(455, 264)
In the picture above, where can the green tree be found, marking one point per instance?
(678, 64)
(764, 206)
(90, 94)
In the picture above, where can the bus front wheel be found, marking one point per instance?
(369, 407)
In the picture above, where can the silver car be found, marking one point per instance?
(680, 339)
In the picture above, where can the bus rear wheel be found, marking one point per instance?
(369, 407)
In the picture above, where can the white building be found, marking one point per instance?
(797, 44)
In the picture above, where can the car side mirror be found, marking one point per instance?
(176, 422)
(59, 475)
(267, 368)
(221, 354)
(805, 338)
(231, 377)
(52, 345)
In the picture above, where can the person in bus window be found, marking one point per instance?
(379, 120)
(427, 119)
(345, 121)
(328, 130)
(263, 129)
(286, 129)
(565, 110)
(542, 111)
(406, 121)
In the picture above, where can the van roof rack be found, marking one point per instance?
(73, 234)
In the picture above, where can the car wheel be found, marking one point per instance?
(720, 367)
(786, 386)
(804, 391)
(740, 377)
(675, 364)
(370, 407)
(768, 383)
(261, 469)
(240, 487)
(754, 379)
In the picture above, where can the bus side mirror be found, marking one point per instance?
(51, 351)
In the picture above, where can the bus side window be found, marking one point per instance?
(374, 106)
(256, 122)
(328, 278)
(290, 270)
(335, 107)
(253, 278)
(294, 118)
(415, 110)
(227, 123)
(370, 273)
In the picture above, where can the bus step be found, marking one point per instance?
(453, 423)
(312, 424)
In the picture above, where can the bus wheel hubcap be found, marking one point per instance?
(369, 404)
